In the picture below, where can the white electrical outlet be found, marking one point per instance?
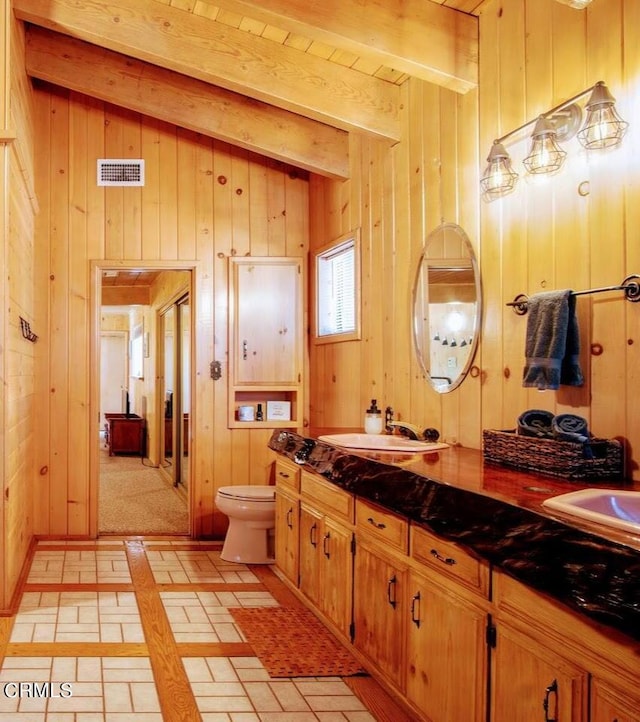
(452, 362)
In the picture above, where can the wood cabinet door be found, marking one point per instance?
(380, 611)
(446, 653)
(287, 534)
(311, 533)
(612, 705)
(267, 315)
(337, 574)
(531, 683)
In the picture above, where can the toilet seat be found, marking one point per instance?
(248, 493)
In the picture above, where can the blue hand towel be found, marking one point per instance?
(569, 427)
(536, 422)
(553, 341)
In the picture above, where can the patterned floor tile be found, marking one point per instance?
(80, 689)
(189, 567)
(79, 567)
(205, 616)
(122, 688)
(77, 617)
(241, 684)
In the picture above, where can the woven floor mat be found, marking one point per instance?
(292, 642)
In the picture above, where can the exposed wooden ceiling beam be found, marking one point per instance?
(418, 37)
(227, 57)
(187, 102)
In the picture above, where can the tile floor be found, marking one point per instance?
(120, 630)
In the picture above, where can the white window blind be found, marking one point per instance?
(336, 277)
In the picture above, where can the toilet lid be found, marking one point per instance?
(248, 493)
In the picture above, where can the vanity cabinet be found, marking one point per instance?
(287, 529)
(266, 337)
(609, 704)
(380, 594)
(447, 626)
(544, 655)
(450, 636)
(530, 682)
(326, 549)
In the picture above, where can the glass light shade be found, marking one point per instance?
(499, 178)
(545, 155)
(603, 127)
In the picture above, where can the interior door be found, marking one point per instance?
(113, 372)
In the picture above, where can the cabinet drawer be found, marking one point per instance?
(287, 474)
(327, 497)
(449, 559)
(388, 528)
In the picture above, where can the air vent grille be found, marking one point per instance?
(120, 172)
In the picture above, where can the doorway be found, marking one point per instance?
(139, 487)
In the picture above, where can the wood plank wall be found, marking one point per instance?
(17, 355)
(202, 202)
(533, 55)
(397, 196)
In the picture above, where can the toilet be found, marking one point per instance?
(252, 514)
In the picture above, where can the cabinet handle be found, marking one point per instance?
(325, 545)
(377, 524)
(392, 597)
(414, 601)
(551, 689)
(289, 518)
(312, 536)
(245, 350)
(449, 561)
(283, 474)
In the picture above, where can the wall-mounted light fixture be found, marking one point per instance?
(602, 128)
(578, 4)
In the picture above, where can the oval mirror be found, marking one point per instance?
(446, 307)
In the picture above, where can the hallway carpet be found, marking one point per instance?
(138, 499)
(102, 634)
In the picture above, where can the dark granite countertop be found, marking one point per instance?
(495, 513)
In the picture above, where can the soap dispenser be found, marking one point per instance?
(373, 419)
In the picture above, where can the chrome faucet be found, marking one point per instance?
(410, 431)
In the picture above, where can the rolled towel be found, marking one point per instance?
(536, 422)
(569, 427)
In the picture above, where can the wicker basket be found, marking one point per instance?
(555, 458)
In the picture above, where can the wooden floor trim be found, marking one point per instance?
(174, 692)
(76, 649)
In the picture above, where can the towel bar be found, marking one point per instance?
(630, 286)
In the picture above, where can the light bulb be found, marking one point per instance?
(545, 155)
(603, 127)
(499, 178)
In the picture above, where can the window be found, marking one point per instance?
(337, 292)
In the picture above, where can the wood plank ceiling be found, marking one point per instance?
(288, 79)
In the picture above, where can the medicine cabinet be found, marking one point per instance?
(266, 341)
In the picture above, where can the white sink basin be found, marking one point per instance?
(382, 442)
(619, 509)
